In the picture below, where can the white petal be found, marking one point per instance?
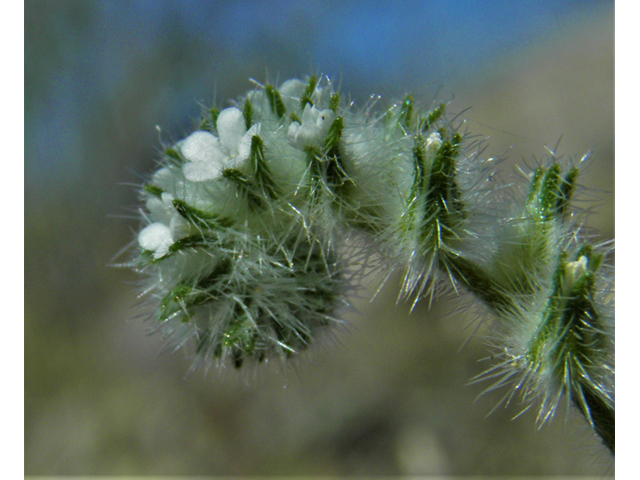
(324, 121)
(291, 92)
(434, 142)
(231, 128)
(202, 147)
(573, 271)
(254, 130)
(244, 148)
(293, 128)
(309, 115)
(435, 137)
(179, 227)
(314, 128)
(167, 199)
(162, 250)
(259, 101)
(293, 88)
(202, 171)
(164, 178)
(291, 133)
(160, 211)
(308, 135)
(153, 236)
(303, 135)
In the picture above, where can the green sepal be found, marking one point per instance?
(314, 159)
(536, 182)
(209, 121)
(443, 197)
(418, 187)
(335, 173)
(333, 137)
(551, 319)
(567, 189)
(241, 337)
(406, 111)
(433, 117)
(308, 92)
(295, 118)
(275, 101)
(247, 113)
(179, 300)
(215, 113)
(238, 333)
(292, 338)
(261, 170)
(174, 156)
(192, 241)
(153, 190)
(334, 103)
(550, 192)
(200, 218)
(416, 193)
(186, 295)
(244, 185)
(439, 189)
(389, 116)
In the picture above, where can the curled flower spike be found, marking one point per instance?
(248, 221)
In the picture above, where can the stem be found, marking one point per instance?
(479, 283)
(600, 415)
(563, 315)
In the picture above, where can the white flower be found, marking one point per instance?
(434, 142)
(169, 226)
(314, 128)
(208, 155)
(572, 273)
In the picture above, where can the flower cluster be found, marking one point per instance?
(248, 217)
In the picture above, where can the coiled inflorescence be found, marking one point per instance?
(248, 217)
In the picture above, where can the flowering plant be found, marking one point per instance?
(260, 223)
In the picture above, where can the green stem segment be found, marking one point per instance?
(570, 325)
(478, 282)
(572, 342)
(601, 415)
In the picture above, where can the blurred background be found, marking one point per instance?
(390, 396)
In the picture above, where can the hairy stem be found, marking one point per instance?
(600, 415)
